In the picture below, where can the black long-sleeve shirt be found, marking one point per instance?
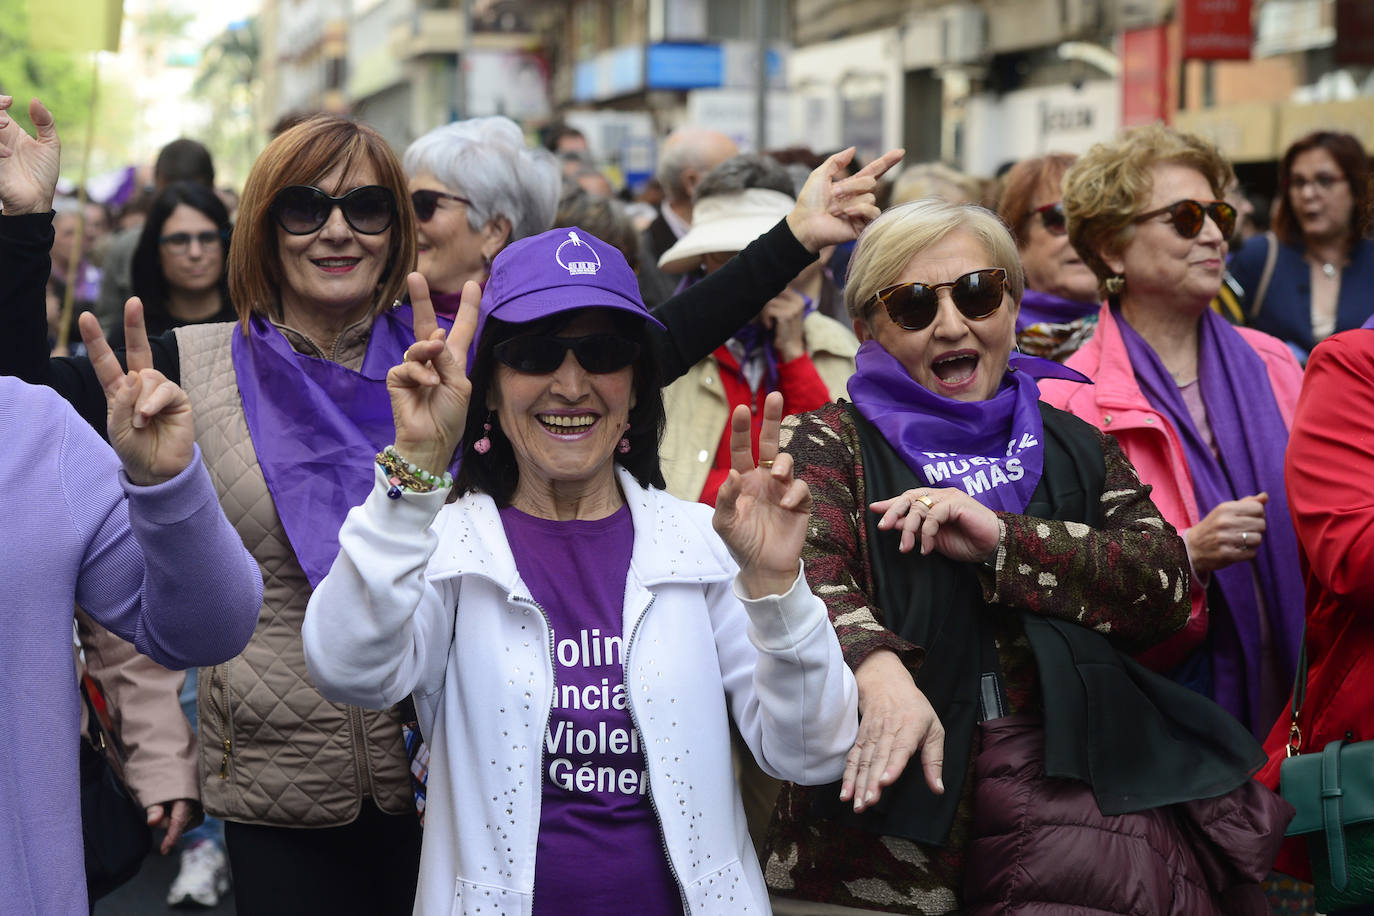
(698, 320)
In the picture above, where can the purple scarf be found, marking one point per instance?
(446, 304)
(1045, 308)
(1250, 436)
(992, 450)
(315, 425)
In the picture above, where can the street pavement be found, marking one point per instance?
(146, 894)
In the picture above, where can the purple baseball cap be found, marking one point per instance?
(558, 271)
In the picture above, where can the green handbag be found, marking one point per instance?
(1333, 793)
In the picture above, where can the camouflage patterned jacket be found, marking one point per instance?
(1128, 579)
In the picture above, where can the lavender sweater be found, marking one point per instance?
(159, 566)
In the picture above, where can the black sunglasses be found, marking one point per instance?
(426, 201)
(913, 306)
(1188, 215)
(180, 242)
(1053, 219)
(301, 209)
(539, 354)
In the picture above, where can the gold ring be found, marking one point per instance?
(766, 464)
(930, 503)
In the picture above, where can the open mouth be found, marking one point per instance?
(336, 265)
(567, 424)
(955, 368)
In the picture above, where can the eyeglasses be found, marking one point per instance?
(1188, 216)
(180, 242)
(426, 201)
(913, 306)
(301, 209)
(538, 354)
(1323, 180)
(1053, 219)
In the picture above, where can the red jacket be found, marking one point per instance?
(1115, 404)
(1330, 467)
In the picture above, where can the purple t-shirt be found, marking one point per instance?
(599, 850)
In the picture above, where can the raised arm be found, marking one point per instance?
(830, 210)
(28, 180)
(163, 568)
(896, 720)
(796, 709)
(376, 628)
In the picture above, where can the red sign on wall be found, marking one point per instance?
(1354, 33)
(1215, 29)
(1144, 76)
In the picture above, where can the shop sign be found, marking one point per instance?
(1144, 76)
(1216, 29)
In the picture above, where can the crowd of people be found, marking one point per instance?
(821, 538)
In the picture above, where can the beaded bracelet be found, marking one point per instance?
(403, 475)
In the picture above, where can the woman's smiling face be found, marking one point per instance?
(564, 425)
(955, 356)
(335, 269)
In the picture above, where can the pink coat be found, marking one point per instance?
(1115, 404)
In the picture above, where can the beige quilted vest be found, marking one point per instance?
(272, 750)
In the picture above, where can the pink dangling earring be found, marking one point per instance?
(624, 446)
(483, 445)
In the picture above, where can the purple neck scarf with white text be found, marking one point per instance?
(315, 424)
(992, 450)
(1251, 437)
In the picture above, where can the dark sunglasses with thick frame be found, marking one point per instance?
(540, 354)
(301, 209)
(913, 306)
(1187, 216)
(1053, 219)
(426, 201)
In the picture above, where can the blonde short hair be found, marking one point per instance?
(901, 233)
(1111, 184)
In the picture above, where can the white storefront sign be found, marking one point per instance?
(1031, 122)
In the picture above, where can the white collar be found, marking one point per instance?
(676, 223)
(673, 540)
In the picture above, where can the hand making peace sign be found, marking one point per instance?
(149, 417)
(430, 388)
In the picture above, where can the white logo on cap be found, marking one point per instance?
(582, 266)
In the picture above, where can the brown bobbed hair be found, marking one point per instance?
(1354, 165)
(1023, 182)
(304, 154)
(1111, 184)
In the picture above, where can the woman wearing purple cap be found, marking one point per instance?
(993, 654)
(318, 797)
(578, 642)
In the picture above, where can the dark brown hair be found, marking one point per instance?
(1354, 165)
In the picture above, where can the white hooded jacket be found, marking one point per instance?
(425, 599)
